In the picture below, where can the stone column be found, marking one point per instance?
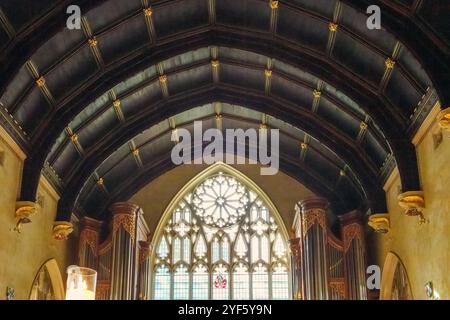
(124, 251)
(314, 248)
(354, 255)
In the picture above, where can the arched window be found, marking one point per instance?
(221, 241)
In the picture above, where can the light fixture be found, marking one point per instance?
(81, 283)
(431, 293)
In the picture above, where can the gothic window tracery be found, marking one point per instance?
(221, 242)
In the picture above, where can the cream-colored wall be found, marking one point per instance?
(423, 249)
(21, 255)
(283, 190)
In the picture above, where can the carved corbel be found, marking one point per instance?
(62, 230)
(24, 211)
(379, 222)
(444, 119)
(413, 202)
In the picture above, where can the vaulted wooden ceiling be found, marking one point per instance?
(346, 99)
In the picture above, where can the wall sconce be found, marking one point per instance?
(24, 211)
(431, 293)
(81, 283)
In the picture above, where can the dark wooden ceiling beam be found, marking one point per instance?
(125, 70)
(184, 102)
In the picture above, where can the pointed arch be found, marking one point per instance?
(226, 247)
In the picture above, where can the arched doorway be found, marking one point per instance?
(220, 238)
(394, 280)
(48, 283)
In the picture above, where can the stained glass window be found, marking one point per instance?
(221, 242)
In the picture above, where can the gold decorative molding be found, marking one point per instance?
(148, 12)
(263, 126)
(100, 182)
(116, 103)
(163, 79)
(40, 82)
(218, 116)
(363, 125)
(127, 222)
(310, 216)
(317, 94)
(268, 73)
(444, 119)
(62, 230)
(136, 152)
(93, 42)
(332, 26)
(342, 173)
(74, 137)
(215, 63)
(352, 231)
(380, 222)
(303, 146)
(389, 63)
(273, 4)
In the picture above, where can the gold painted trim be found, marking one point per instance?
(163, 78)
(215, 63)
(93, 42)
(389, 63)
(268, 73)
(40, 82)
(317, 94)
(363, 126)
(273, 4)
(148, 12)
(332, 26)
